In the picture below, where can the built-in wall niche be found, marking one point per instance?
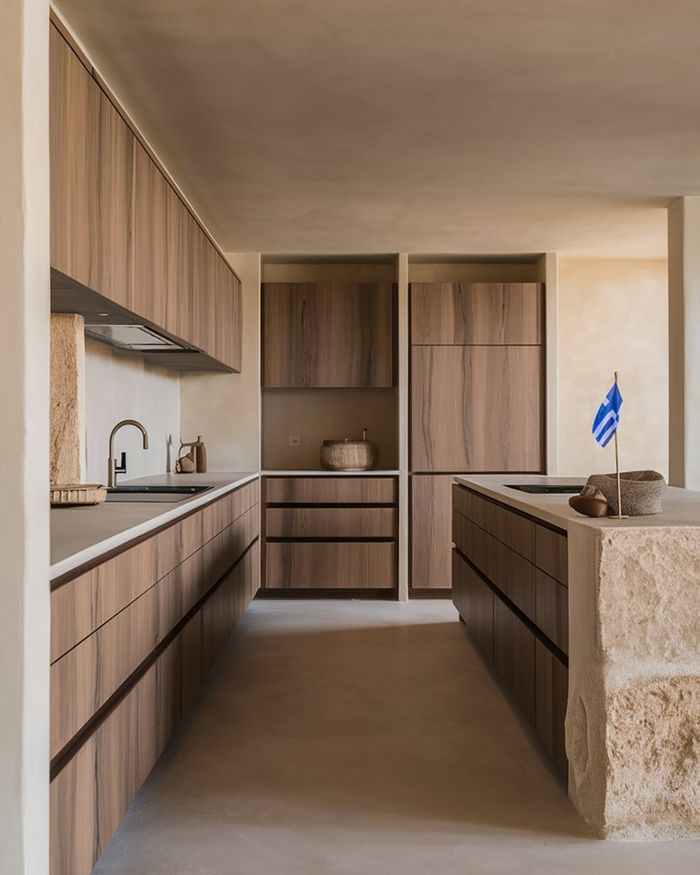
(328, 356)
(513, 268)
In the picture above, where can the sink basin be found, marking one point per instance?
(543, 489)
(153, 493)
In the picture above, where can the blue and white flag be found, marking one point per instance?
(607, 417)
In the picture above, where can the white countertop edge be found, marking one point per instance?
(94, 551)
(314, 472)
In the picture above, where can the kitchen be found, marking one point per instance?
(457, 376)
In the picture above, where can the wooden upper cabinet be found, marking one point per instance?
(476, 313)
(150, 265)
(92, 180)
(328, 334)
(476, 408)
(120, 228)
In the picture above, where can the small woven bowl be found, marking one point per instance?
(641, 491)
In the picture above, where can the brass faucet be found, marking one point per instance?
(112, 468)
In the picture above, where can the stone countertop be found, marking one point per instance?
(82, 534)
(315, 472)
(681, 506)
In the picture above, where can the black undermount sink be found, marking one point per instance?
(544, 489)
(134, 492)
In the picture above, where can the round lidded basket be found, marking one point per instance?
(349, 455)
(641, 491)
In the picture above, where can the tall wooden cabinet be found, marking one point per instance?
(122, 239)
(477, 401)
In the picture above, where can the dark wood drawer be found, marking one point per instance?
(474, 599)
(552, 690)
(552, 610)
(551, 554)
(330, 490)
(514, 657)
(510, 528)
(330, 522)
(309, 565)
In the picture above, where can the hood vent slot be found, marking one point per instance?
(135, 338)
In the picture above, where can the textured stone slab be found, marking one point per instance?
(67, 452)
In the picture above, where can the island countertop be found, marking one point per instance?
(82, 534)
(681, 507)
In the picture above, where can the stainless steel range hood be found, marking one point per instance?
(135, 338)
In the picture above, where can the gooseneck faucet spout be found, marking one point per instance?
(112, 468)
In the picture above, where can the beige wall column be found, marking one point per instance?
(684, 341)
(24, 438)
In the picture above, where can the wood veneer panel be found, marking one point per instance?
(179, 294)
(474, 600)
(477, 408)
(329, 565)
(328, 334)
(91, 154)
(151, 256)
(552, 690)
(552, 612)
(431, 531)
(330, 522)
(514, 657)
(551, 554)
(330, 490)
(476, 313)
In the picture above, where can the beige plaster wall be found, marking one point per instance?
(24, 437)
(124, 387)
(613, 316)
(225, 408)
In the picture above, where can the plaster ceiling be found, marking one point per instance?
(408, 125)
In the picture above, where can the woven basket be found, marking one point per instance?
(348, 455)
(641, 491)
(77, 494)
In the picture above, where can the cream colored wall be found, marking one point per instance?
(225, 408)
(24, 437)
(124, 387)
(613, 316)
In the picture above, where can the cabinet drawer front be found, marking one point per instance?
(552, 690)
(331, 565)
(474, 600)
(330, 522)
(551, 554)
(476, 408)
(478, 313)
(330, 490)
(552, 612)
(514, 657)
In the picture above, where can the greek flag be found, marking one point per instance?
(607, 417)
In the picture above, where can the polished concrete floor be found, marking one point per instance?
(362, 738)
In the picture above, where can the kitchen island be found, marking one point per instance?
(593, 625)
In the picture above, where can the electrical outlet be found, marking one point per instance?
(294, 440)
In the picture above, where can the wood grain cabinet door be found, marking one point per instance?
(476, 408)
(327, 335)
(476, 313)
(431, 531)
(514, 657)
(92, 182)
(150, 266)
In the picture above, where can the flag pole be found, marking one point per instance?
(617, 471)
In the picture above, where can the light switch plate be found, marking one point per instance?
(294, 440)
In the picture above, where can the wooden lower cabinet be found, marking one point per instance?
(117, 695)
(319, 565)
(474, 600)
(514, 657)
(330, 532)
(515, 611)
(551, 693)
(431, 526)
